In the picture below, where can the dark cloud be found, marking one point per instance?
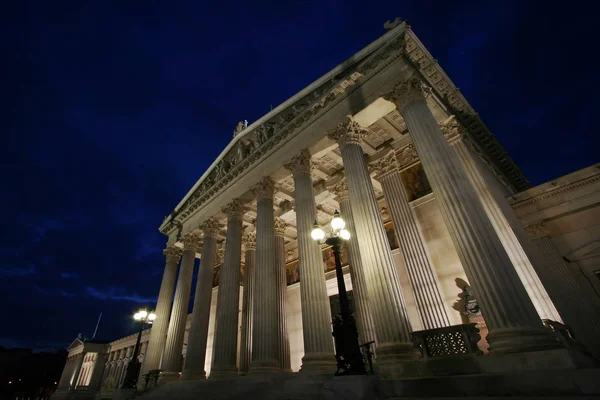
(112, 110)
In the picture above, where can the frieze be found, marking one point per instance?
(253, 146)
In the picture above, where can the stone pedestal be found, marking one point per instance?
(509, 313)
(386, 302)
(366, 330)
(422, 276)
(316, 314)
(158, 334)
(171, 362)
(248, 301)
(283, 341)
(265, 357)
(228, 300)
(193, 368)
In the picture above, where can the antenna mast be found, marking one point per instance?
(96, 330)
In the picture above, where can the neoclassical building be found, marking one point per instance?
(446, 231)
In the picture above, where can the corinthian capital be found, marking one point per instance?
(537, 231)
(405, 92)
(264, 189)
(387, 164)
(348, 132)
(220, 255)
(280, 227)
(249, 240)
(340, 189)
(192, 241)
(406, 156)
(173, 253)
(453, 129)
(235, 209)
(210, 227)
(300, 163)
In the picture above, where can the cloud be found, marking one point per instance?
(13, 272)
(117, 294)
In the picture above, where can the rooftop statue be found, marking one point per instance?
(240, 127)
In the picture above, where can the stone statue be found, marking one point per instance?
(240, 127)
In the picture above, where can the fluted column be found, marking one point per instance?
(248, 297)
(64, 382)
(582, 310)
(417, 261)
(283, 340)
(158, 333)
(366, 329)
(97, 371)
(455, 133)
(193, 368)
(509, 313)
(386, 301)
(228, 300)
(264, 324)
(78, 365)
(316, 313)
(171, 362)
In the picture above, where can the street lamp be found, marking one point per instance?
(143, 317)
(348, 355)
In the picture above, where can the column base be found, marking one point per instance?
(519, 340)
(168, 377)
(396, 360)
(318, 364)
(223, 373)
(192, 376)
(264, 367)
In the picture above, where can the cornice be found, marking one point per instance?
(416, 53)
(261, 140)
(557, 191)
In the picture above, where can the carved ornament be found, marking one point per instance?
(407, 156)
(537, 231)
(340, 189)
(210, 227)
(300, 163)
(387, 164)
(235, 209)
(192, 241)
(173, 253)
(453, 129)
(249, 241)
(280, 227)
(264, 189)
(348, 132)
(405, 92)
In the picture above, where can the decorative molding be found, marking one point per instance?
(300, 163)
(340, 189)
(210, 227)
(564, 189)
(537, 231)
(348, 132)
(173, 253)
(192, 241)
(280, 227)
(249, 241)
(406, 91)
(264, 189)
(235, 209)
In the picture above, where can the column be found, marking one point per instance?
(77, 372)
(195, 358)
(386, 301)
(264, 324)
(171, 362)
(582, 311)
(366, 329)
(247, 302)
(64, 382)
(97, 371)
(316, 313)
(509, 313)
(283, 340)
(158, 333)
(228, 299)
(417, 261)
(456, 136)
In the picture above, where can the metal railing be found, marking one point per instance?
(447, 341)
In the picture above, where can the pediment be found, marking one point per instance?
(76, 343)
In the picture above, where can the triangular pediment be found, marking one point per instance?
(76, 343)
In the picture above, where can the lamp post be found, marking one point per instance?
(345, 333)
(143, 317)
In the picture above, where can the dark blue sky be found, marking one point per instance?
(112, 110)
